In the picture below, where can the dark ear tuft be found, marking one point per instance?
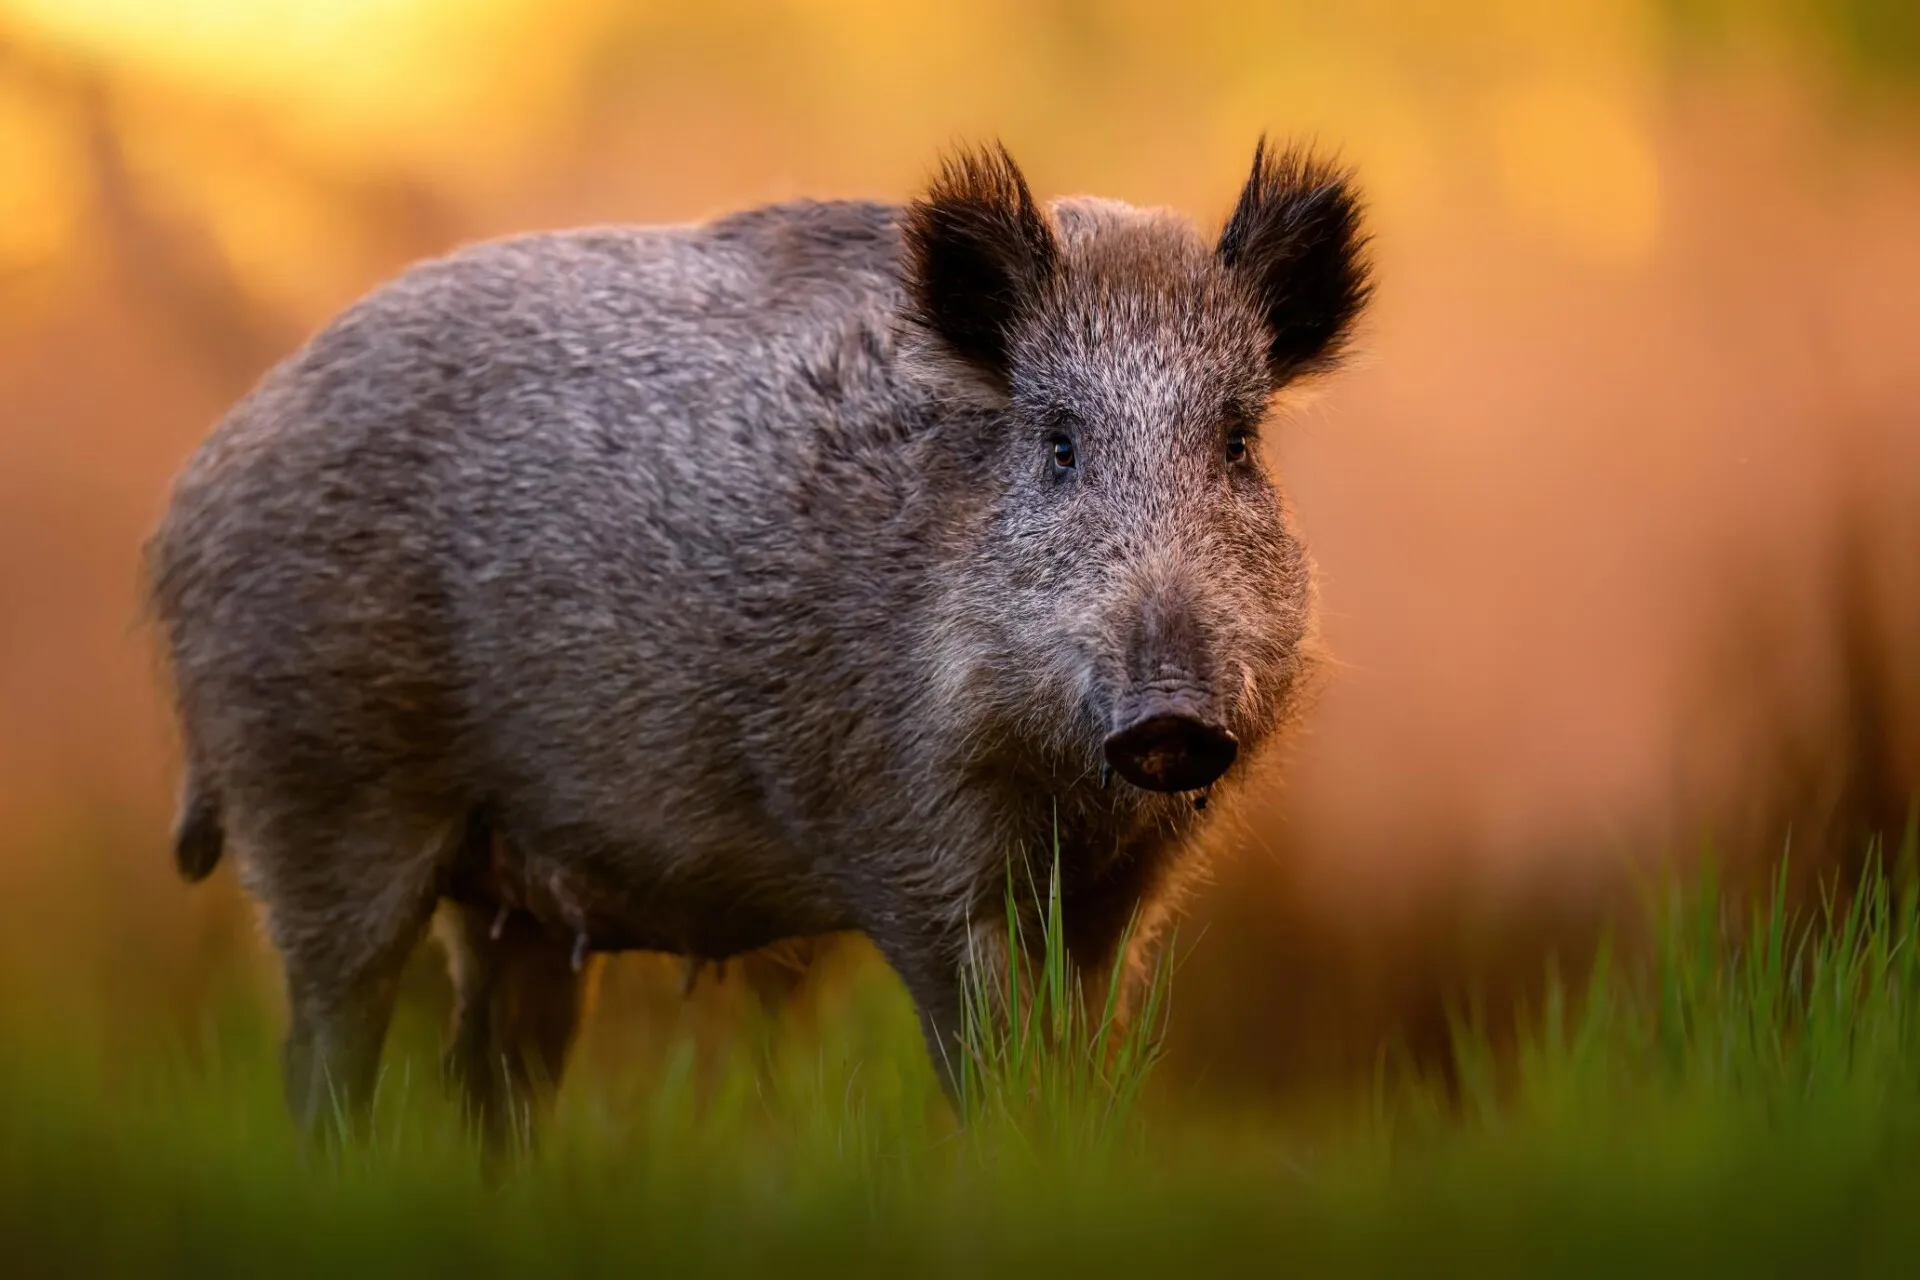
(977, 252)
(1296, 238)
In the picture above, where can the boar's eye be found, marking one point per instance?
(1236, 445)
(1063, 455)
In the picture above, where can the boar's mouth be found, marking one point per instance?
(1166, 747)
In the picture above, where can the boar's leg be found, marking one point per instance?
(1095, 920)
(331, 1057)
(933, 971)
(517, 1005)
(947, 976)
(344, 910)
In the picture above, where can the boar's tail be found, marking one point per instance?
(198, 837)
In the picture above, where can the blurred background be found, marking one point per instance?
(1616, 514)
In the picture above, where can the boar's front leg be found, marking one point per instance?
(933, 972)
(948, 963)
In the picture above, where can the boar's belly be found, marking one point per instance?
(629, 901)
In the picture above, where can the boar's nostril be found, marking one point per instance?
(1168, 751)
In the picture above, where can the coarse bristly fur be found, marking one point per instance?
(692, 588)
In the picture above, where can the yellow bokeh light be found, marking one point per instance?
(41, 186)
(392, 74)
(1575, 163)
(270, 224)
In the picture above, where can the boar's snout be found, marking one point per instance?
(1166, 727)
(1167, 745)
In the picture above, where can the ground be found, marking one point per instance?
(1743, 1095)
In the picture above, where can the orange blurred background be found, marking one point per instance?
(1616, 514)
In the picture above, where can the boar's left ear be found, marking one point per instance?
(978, 253)
(1295, 237)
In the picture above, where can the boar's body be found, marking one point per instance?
(669, 589)
(609, 536)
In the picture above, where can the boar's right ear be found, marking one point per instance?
(977, 253)
(1295, 238)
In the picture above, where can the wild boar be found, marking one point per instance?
(693, 588)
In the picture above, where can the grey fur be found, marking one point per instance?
(693, 588)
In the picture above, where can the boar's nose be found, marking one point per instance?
(1166, 747)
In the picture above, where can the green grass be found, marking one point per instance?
(1743, 1093)
(1052, 1068)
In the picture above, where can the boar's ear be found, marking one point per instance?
(1295, 238)
(977, 254)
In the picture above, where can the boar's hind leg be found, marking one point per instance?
(516, 1008)
(345, 912)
